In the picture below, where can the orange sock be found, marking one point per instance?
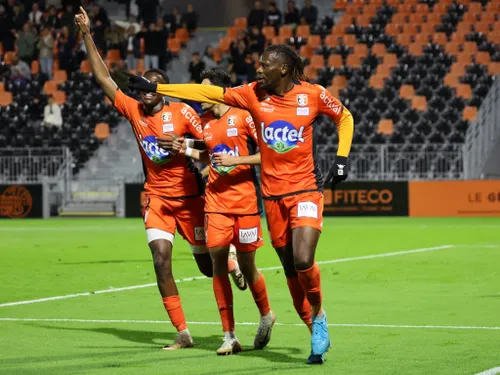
(259, 293)
(310, 279)
(224, 296)
(174, 309)
(300, 302)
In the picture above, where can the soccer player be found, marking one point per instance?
(174, 188)
(232, 209)
(284, 107)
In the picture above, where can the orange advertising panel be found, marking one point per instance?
(454, 198)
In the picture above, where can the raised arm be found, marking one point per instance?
(100, 70)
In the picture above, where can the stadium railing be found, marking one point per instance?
(482, 141)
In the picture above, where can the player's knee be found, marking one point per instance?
(303, 262)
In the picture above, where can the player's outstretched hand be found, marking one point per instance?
(338, 172)
(223, 160)
(82, 21)
(140, 83)
(171, 142)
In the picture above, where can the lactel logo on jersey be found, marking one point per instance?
(223, 149)
(281, 136)
(156, 154)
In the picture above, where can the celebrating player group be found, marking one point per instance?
(275, 114)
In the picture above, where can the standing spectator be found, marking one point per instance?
(257, 15)
(18, 17)
(7, 37)
(310, 13)
(26, 43)
(35, 16)
(65, 44)
(196, 66)
(99, 31)
(52, 20)
(148, 11)
(153, 46)
(292, 15)
(52, 114)
(273, 16)
(46, 46)
(100, 14)
(19, 70)
(257, 41)
(173, 20)
(189, 19)
(68, 19)
(209, 58)
(162, 29)
(133, 48)
(114, 36)
(238, 56)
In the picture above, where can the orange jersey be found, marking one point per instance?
(232, 189)
(167, 175)
(285, 128)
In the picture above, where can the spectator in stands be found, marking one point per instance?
(163, 40)
(209, 58)
(257, 15)
(173, 20)
(153, 46)
(52, 20)
(100, 14)
(26, 43)
(292, 15)
(238, 56)
(7, 37)
(273, 16)
(99, 31)
(68, 19)
(65, 44)
(52, 114)
(133, 48)
(46, 46)
(35, 16)
(253, 63)
(114, 36)
(148, 11)
(256, 41)
(234, 80)
(19, 70)
(310, 13)
(18, 17)
(189, 19)
(196, 66)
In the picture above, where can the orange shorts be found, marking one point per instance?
(287, 213)
(185, 215)
(242, 231)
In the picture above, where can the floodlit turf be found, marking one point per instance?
(454, 281)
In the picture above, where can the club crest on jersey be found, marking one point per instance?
(302, 99)
(281, 136)
(231, 120)
(166, 116)
(155, 153)
(223, 149)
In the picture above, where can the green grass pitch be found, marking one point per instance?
(432, 311)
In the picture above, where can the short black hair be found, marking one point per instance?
(196, 54)
(217, 76)
(160, 72)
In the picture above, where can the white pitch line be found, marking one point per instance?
(134, 321)
(111, 290)
(491, 371)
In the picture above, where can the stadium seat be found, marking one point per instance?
(406, 92)
(303, 31)
(385, 126)
(464, 91)
(286, 32)
(174, 45)
(317, 61)
(241, 23)
(5, 98)
(8, 57)
(182, 35)
(311, 72)
(102, 131)
(469, 113)
(419, 103)
(335, 61)
(35, 67)
(60, 76)
(85, 67)
(59, 97)
(50, 87)
(314, 41)
(113, 55)
(232, 32)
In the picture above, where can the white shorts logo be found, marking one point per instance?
(249, 235)
(307, 209)
(199, 234)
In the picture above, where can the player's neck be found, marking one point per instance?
(151, 111)
(284, 86)
(220, 110)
